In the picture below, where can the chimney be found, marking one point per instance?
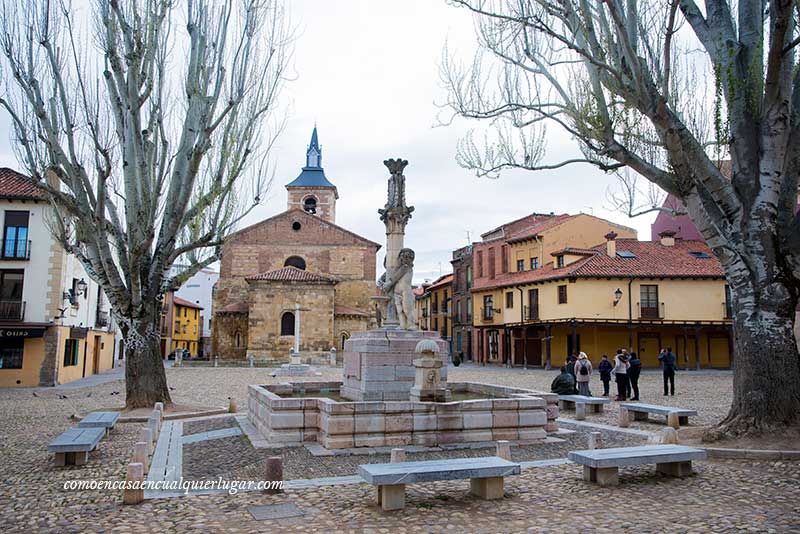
(667, 238)
(611, 244)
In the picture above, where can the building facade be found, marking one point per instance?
(199, 290)
(296, 265)
(181, 326)
(434, 307)
(55, 325)
(461, 315)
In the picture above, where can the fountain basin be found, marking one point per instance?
(292, 413)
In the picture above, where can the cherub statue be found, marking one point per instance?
(396, 284)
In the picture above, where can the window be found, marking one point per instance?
(488, 307)
(627, 254)
(296, 226)
(458, 342)
(185, 327)
(237, 339)
(287, 324)
(480, 263)
(562, 294)
(343, 337)
(699, 255)
(435, 324)
(310, 205)
(469, 276)
(560, 260)
(195, 313)
(15, 236)
(295, 261)
(177, 327)
(11, 353)
(459, 317)
(648, 297)
(445, 302)
(11, 305)
(469, 308)
(491, 262)
(186, 312)
(504, 258)
(534, 264)
(520, 265)
(71, 352)
(509, 299)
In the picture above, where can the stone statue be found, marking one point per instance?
(395, 284)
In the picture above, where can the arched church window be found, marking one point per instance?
(295, 261)
(310, 205)
(344, 336)
(238, 340)
(287, 324)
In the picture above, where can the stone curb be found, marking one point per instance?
(174, 416)
(751, 454)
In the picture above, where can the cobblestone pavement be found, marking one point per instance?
(724, 496)
(208, 424)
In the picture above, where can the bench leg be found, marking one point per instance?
(640, 416)
(598, 408)
(604, 476)
(487, 488)
(675, 469)
(683, 420)
(60, 459)
(392, 497)
(81, 458)
(565, 405)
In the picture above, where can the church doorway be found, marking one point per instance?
(287, 324)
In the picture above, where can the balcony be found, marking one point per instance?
(101, 321)
(487, 315)
(650, 310)
(530, 314)
(12, 310)
(16, 250)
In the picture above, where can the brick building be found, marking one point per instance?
(297, 260)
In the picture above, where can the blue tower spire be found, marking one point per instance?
(314, 153)
(312, 174)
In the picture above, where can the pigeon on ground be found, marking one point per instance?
(89, 395)
(60, 396)
(34, 394)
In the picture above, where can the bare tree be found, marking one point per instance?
(150, 142)
(668, 89)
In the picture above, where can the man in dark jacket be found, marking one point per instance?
(563, 384)
(605, 368)
(668, 360)
(634, 371)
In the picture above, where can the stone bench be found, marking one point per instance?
(73, 446)
(641, 411)
(602, 465)
(104, 420)
(567, 402)
(485, 474)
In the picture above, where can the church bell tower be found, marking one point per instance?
(311, 191)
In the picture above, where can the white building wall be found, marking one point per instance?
(198, 289)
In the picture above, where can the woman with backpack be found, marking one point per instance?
(583, 372)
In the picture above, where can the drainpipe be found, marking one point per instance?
(630, 315)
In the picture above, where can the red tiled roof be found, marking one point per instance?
(236, 307)
(291, 274)
(533, 217)
(185, 303)
(653, 260)
(539, 227)
(346, 310)
(14, 185)
(441, 281)
(575, 251)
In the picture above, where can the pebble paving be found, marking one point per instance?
(722, 496)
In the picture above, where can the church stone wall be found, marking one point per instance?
(326, 200)
(223, 336)
(268, 302)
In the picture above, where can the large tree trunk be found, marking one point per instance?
(766, 384)
(145, 378)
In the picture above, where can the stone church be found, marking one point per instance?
(298, 262)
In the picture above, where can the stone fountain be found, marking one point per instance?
(395, 389)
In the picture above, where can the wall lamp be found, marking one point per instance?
(617, 296)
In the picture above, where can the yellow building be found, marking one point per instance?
(515, 251)
(641, 295)
(180, 325)
(434, 306)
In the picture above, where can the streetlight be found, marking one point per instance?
(617, 296)
(82, 286)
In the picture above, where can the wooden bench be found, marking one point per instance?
(73, 446)
(602, 465)
(105, 420)
(485, 474)
(567, 402)
(641, 411)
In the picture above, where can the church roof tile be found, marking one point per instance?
(291, 274)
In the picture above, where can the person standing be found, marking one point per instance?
(583, 373)
(633, 375)
(605, 368)
(668, 361)
(621, 372)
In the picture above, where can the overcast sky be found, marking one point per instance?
(367, 74)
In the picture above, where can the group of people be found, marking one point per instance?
(626, 368)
